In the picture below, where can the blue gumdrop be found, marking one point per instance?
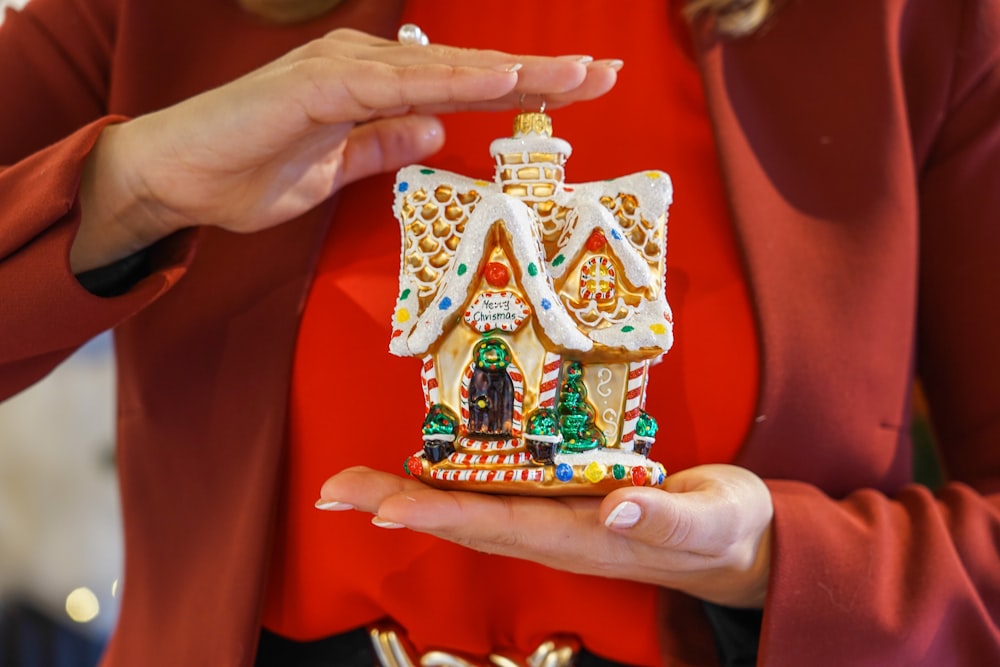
(546, 304)
(404, 186)
(564, 472)
(616, 235)
(445, 303)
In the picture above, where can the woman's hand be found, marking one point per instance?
(269, 146)
(708, 534)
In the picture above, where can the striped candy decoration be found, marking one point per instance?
(429, 381)
(633, 402)
(645, 384)
(470, 444)
(464, 395)
(550, 380)
(519, 475)
(515, 459)
(518, 379)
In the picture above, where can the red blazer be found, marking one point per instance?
(860, 145)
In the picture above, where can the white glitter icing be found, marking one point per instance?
(646, 323)
(608, 457)
(442, 437)
(545, 438)
(531, 143)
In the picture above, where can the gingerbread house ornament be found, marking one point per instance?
(536, 307)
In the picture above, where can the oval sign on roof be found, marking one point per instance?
(491, 311)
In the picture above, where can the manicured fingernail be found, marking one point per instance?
(333, 505)
(625, 515)
(583, 60)
(509, 68)
(382, 523)
(613, 63)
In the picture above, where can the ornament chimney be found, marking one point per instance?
(530, 165)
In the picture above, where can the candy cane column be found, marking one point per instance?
(429, 381)
(550, 380)
(635, 398)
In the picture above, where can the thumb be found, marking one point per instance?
(387, 144)
(694, 521)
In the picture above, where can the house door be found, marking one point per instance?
(491, 402)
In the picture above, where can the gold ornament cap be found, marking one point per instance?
(534, 123)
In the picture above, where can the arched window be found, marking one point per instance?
(597, 280)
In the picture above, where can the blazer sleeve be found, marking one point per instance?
(915, 579)
(54, 72)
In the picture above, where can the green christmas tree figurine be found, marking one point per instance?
(576, 414)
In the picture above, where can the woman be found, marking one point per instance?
(786, 400)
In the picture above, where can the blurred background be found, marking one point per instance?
(60, 541)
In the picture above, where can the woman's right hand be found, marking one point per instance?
(271, 145)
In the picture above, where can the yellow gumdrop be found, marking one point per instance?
(594, 472)
(402, 315)
(658, 328)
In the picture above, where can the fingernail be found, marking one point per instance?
(582, 59)
(509, 68)
(382, 523)
(333, 505)
(625, 515)
(613, 63)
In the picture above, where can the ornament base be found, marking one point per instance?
(511, 471)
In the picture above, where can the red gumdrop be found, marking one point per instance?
(596, 241)
(496, 274)
(414, 466)
(638, 476)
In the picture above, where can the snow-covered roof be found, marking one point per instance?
(421, 327)
(447, 220)
(653, 194)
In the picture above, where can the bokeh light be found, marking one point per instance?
(82, 605)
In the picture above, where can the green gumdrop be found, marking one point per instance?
(543, 421)
(440, 420)
(646, 426)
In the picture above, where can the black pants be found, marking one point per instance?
(351, 649)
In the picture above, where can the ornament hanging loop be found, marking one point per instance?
(541, 104)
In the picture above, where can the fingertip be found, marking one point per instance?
(432, 133)
(332, 505)
(416, 137)
(625, 514)
(646, 514)
(404, 509)
(379, 522)
(614, 64)
(625, 507)
(601, 78)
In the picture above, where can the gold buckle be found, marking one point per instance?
(393, 650)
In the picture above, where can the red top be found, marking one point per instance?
(352, 403)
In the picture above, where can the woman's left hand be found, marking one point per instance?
(708, 534)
